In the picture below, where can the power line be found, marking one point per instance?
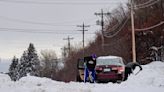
(44, 31)
(151, 27)
(31, 22)
(142, 4)
(111, 34)
(39, 23)
(32, 30)
(117, 41)
(59, 3)
(148, 5)
(115, 26)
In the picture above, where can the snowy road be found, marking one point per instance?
(151, 79)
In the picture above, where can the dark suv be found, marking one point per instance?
(110, 68)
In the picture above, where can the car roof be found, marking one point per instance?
(108, 57)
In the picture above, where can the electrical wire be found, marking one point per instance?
(115, 26)
(110, 34)
(143, 4)
(148, 5)
(151, 27)
(41, 23)
(58, 3)
(36, 31)
(31, 22)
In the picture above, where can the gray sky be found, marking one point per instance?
(46, 22)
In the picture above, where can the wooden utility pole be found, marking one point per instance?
(69, 45)
(133, 32)
(83, 26)
(101, 14)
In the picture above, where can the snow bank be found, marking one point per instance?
(151, 79)
(108, 57)
(152, 75)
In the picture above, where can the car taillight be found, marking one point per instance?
(121, 69)
(99, 69)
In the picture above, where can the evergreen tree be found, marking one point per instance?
(33, 65)
(23, 64)
(29, 62)
(13, 70)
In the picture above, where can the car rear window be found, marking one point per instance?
(115, 61)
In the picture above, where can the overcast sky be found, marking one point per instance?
(46, 22)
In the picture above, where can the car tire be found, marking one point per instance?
(114, 81)
(97, 81)
(78, 79)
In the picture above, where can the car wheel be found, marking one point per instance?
(78, 79)
(97, 81)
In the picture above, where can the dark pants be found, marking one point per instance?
(128, 71)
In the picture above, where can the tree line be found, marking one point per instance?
(31, 64)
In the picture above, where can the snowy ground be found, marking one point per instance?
(151, 79)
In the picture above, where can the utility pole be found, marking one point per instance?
(133, 32)
(83, 26)
(64, 52)
(69, 45)
(101, 14)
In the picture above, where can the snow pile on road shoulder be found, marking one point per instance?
(151, 79)
(151, 75)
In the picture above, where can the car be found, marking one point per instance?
(80, 70)
(110, 69)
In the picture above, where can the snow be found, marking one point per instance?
(150, 79)
(108, 57)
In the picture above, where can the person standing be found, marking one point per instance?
(89, 72)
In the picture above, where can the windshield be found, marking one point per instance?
(115, 61)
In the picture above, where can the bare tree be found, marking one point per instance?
(49, 63)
